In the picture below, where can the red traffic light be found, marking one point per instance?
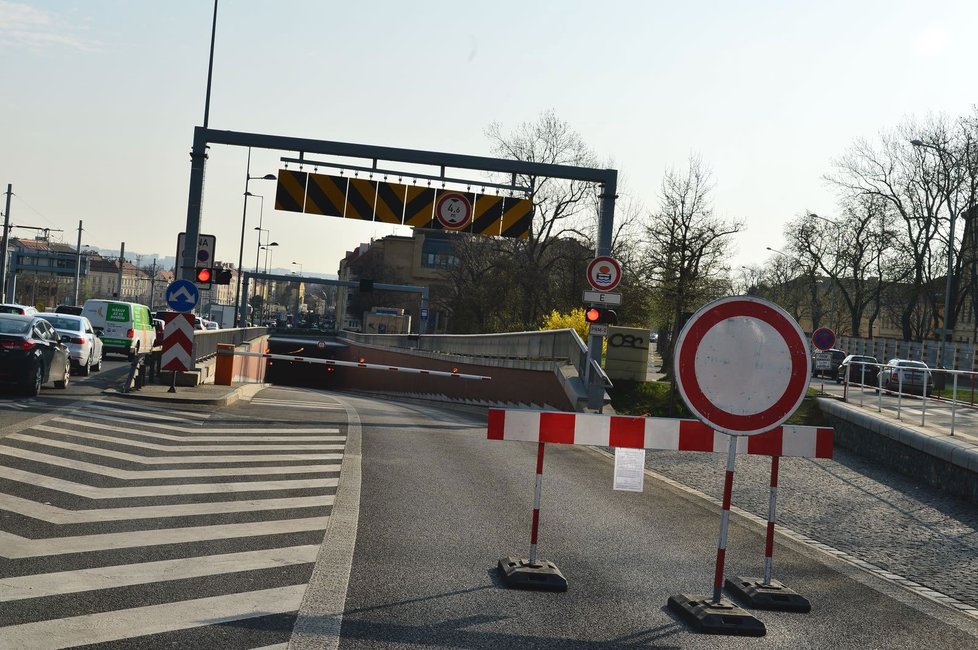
(205, 275)
(600, 315)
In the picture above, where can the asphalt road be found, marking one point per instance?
(138, 525)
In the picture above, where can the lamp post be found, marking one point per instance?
(950, 251)
(244, 219)
(298, 296)
(268, 253)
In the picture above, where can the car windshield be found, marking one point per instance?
(64, 323)
(10, 326)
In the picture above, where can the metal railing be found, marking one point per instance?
(954, 387)
(206, 341)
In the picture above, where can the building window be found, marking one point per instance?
(438, 254)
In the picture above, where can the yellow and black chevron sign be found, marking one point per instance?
(291, 191)
(410, 205)
(326, 195)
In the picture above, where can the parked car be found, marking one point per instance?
(13, 308)
(862, 369)
(836, 360)
(906, 375)
(84, 347)
(32, 354)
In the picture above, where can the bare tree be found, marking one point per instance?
(685, 247)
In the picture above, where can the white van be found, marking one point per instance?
(124, 327)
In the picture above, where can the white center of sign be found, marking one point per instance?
(743, 365)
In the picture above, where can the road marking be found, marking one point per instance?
(16, 547)
(133, 475)
(153, 619)
(55, 515)
(265, 401)
(155, 414)
(241, 438)
(91, 492)
(173, 427)
(197, 448)
(170, 460)
(110, 577)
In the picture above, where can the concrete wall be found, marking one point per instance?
(508, 386)
(939, 460)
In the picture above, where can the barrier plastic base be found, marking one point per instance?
(518, 573)
(774, 596)
(703, 615)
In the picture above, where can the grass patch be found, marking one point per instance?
(652, 399)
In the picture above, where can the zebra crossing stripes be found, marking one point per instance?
(295, 404)
(121, 523)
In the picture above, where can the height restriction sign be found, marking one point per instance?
(604, 273)
(453, 210)
(742, 365)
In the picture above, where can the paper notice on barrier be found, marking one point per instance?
(629, 469)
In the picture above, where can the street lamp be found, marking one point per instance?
(299, 265)
(268, 254)
(244, 219)
(950, 252)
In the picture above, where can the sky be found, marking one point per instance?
(100, 99)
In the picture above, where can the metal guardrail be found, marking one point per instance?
(206, 341)
(940, 384)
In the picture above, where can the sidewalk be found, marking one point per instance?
(201, 394)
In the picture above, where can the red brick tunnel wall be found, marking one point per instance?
(507, 385)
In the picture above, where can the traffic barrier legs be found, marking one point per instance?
(522, 573)
(768, 593)
(718, 615)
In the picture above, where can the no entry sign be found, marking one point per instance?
(742, 365)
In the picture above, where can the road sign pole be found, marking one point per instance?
(724, 519)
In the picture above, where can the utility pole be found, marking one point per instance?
(3, 243)
(77, 263)
(122, 263)
(152, 286)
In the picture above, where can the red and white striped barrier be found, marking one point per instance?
(652, 433)
(351, 364)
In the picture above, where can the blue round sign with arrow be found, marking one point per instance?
(182, 296)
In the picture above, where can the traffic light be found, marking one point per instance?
(204, 275)
(600, 315)
(223, 276)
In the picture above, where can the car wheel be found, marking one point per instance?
(86, 370)
(98, 364)
(33, 387)
(133, 352)
(63, 382)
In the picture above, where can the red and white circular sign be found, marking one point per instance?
(604, 273)
(453, 210)
(742, 365)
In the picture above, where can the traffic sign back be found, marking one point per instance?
(742, 365)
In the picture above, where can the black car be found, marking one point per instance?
(862, 369)
(31, 354)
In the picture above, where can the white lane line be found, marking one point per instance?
(325, 435)
(141, 424)
(152, 619)
(190, 447)
(56, 515)
(91, 492)
(16, 547)
(156, 414)
(170, 460)
(130, 475)
(110, 577)
(130, 405)
(291, 404)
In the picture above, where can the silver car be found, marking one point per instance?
(84, 347)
